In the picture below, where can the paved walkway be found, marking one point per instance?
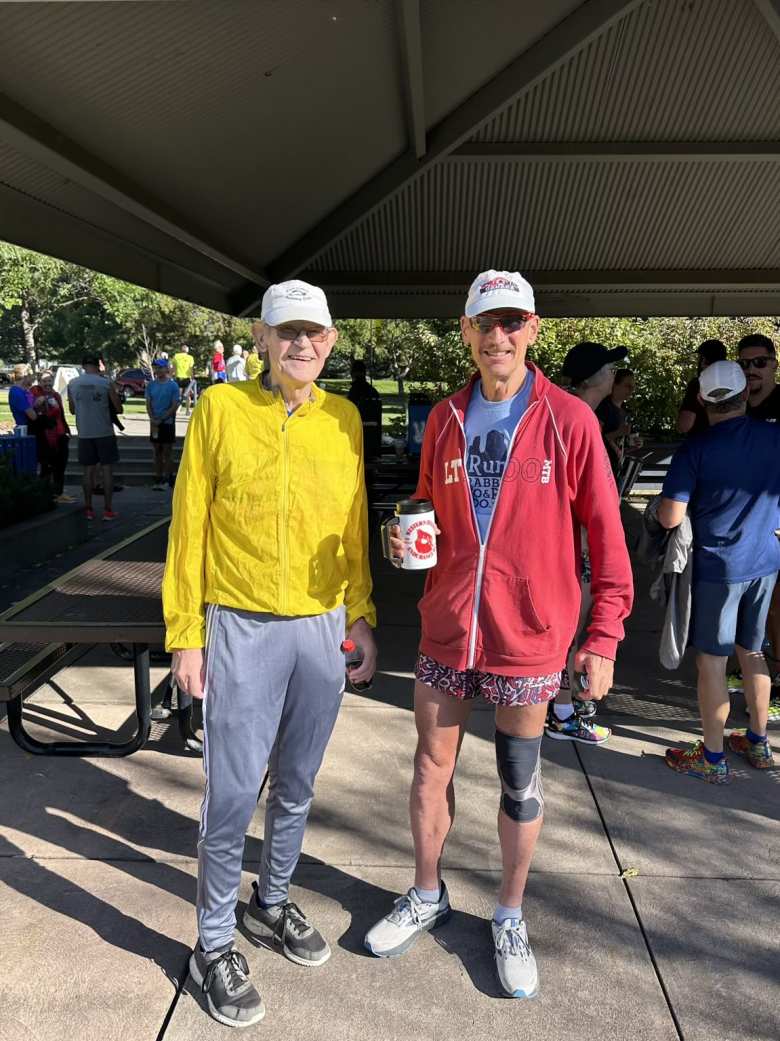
(652, 904)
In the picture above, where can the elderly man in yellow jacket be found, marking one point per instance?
(267, 572)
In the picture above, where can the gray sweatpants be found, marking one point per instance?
(273, 690)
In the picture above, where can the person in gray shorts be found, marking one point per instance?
(267, 572)
(90, 397)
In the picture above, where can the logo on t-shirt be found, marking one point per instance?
(486, 464)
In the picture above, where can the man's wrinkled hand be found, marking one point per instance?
(363, 636)
(188, 671)
(600, 672)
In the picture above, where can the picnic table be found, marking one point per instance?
(111, 599)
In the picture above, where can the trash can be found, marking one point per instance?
(418, 410)
(22, 452)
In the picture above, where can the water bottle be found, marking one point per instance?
(353, 657)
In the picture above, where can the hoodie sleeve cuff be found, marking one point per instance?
(603, 646)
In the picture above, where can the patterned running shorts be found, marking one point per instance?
(499, 690)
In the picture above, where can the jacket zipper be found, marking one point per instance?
(472, 653)
(283, 549)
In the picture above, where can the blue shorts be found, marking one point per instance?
(727, 613)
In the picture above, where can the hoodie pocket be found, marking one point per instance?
(508, 617)
(446, 608)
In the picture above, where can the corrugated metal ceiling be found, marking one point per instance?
(572, 216)
(690, 70)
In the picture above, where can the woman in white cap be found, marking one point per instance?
(235, 365)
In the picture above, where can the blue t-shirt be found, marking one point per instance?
(162, 396)
(489, 428)
(730, 478)
(19, 400)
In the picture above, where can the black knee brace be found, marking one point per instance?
(520, 770)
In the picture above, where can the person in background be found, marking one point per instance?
(757, 358)
(183, 365)
(611, 414)
(360, 389)
(588, 368)
(728, 480)
(54, 438)
(91, 398)
(692, 417)
(235, 367)
(162, 401)
(20, 399)
(254, 363)
(218, 374)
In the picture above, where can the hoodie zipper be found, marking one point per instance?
(284, 556)
(472, 652)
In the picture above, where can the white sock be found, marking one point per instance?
(428, 896)
(502, 913)
(563, 712)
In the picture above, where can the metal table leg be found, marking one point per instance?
(143, 709)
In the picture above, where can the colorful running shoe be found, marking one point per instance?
(575, 728)
(691, 761)
(758, 755)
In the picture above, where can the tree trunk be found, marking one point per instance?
(28, 328)
(400, 381)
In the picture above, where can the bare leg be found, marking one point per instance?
(757, 685)
(108, 485)
(518, 841)
(773, 623)
(88, 483)
(713, 699)
(440, 720)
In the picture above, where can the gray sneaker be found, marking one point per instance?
(396, 932)
(285, 926)
(223, 976)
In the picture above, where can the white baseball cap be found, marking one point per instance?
(295, 301)
(720, 381)
(494, 289)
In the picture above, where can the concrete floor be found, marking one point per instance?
(97, 877)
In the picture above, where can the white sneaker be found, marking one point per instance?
(396, 932)
(515, 962)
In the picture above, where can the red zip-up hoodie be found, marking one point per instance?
(511, 606)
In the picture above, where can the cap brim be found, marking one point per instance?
(616, 354)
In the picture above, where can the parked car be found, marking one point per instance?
(131, 383)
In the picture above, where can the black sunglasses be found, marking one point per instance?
(760, 362)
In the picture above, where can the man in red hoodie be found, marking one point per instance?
(514, 467)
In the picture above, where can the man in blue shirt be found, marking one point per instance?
(162, 401)
(727, 478)
(20, 399)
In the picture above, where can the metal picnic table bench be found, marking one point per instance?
(112, 599)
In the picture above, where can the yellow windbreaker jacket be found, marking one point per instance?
(269, 512)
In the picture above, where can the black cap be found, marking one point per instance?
(585, 359)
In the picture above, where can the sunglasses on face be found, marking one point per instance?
(512, 324)
(760, 362)
(286, 332)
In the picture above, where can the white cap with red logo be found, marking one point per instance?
(497, 289)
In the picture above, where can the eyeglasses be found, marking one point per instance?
(487, 323)
(760, 362)
(287, 332)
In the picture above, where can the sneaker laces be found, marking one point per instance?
(406, 910)
(232, 967)
(292, 919)
(510, 940)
